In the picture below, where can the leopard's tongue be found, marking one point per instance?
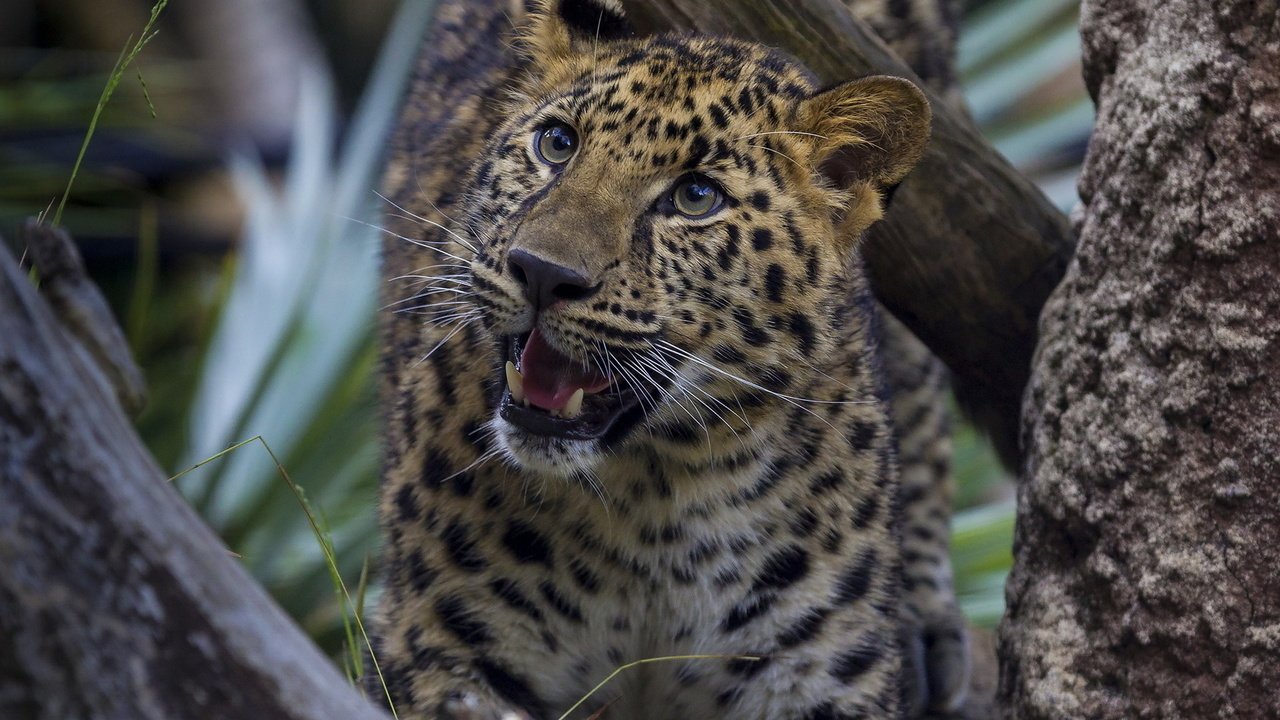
(551, 378)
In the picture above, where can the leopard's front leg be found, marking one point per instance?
(429, 675)
(934, 630)
(468, 705)
(453, 621)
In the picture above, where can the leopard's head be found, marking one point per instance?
(662, 216)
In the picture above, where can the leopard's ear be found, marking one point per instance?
(560, 29)
(871, 131)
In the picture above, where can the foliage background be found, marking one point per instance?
(235, 233)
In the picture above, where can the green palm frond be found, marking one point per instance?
(1020, 66)
(292, 356)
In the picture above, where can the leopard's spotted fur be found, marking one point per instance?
(753, 510)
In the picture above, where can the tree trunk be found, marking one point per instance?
(1145, 581)
(116, 601)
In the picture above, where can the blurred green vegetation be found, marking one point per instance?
(247, 287)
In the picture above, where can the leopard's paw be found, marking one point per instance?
(469, 706)
(936, 662)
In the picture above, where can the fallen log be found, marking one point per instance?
(116, 600)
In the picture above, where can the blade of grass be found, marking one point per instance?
(322, 537)
(212, 458)
(362, 586)
(668, 658)
(289, 343)
(127, 56)
(144, 278)
(332, 561)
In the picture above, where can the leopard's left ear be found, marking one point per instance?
(562, 28)
(871, 131)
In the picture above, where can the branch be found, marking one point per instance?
(969, 250)
(83, 310)
(117, 600)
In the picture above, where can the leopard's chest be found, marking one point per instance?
(680, 612)
(659, 632)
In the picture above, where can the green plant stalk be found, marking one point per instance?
(320, 526)
(127, 56)
(216, 456)
(669, 658)
(338, 399)
(144, 281)
(332, 562)
(362, 586)
(326, 546)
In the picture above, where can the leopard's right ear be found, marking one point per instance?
(562, 29)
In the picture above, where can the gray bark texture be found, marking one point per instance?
(116, 601)
(1147, 555)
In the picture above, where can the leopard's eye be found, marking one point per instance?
(697, 196)
(555, 143)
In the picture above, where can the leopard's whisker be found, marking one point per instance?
(782, 396)
(822, 372)
(790, 400)
(698, 393)
(777, 152)
(432, 223)
(460, 277)
(428, 293)
(621, 372)
(781, 132)
(470, 227)
(593, 481)
(440, 344)
(452, 318)
(439, 306)
(667, 394)
(688, 386)
(679, 382)
(484, 458)
(427, 244)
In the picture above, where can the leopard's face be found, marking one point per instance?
(656, 241)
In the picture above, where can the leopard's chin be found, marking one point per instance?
(546, 454)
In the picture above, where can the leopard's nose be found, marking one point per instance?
(546, 283)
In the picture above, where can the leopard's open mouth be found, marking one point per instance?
(548, 393)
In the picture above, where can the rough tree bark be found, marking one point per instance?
(116, 601)
(1147, 546)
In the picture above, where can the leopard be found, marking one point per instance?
(644, 421)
